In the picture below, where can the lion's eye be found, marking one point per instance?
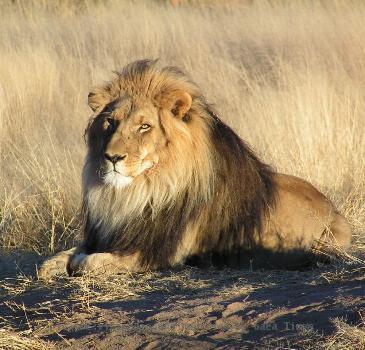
(111, 123)
(144, 127)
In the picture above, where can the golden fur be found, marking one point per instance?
(166, 182)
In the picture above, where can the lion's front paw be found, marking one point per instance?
(52, 267)
(76, 265)
(55, 266)
(97, 264)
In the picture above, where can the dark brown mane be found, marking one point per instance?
(231, 218)
(244, 192)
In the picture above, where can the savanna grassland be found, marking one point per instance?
(288, 76)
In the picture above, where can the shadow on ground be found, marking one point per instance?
(179, 309)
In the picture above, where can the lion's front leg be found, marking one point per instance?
(57, 264)
(102, 264)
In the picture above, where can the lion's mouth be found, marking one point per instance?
(116, 171)
(122, 174)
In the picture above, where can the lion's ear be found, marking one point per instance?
(178, 102)
(98, 98)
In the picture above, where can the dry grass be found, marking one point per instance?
(11, 340)
(347, 337)
(295, 92)
(87, 291)
(24, 325)
(68, 300)
(289, 77)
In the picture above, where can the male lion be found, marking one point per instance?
(166, 182)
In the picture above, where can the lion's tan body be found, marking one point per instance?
(303, 217)
(166, 181)
(302, 220)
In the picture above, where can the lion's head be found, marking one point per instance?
(144, 136)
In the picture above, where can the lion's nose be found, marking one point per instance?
(114, 158)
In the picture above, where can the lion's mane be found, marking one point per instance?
(209, 176)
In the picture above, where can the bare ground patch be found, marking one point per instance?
(205, 309)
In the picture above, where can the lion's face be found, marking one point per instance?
(129, 137)
(132, 144)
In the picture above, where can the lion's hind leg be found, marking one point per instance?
(341, 232)
(336, 239)
(57, 264)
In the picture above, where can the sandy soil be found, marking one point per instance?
(186, 308)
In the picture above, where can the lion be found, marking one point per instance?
(166, 182)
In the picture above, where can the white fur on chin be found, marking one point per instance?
(117, 180)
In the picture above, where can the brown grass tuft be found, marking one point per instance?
(11, 340)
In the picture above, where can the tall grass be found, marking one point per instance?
(289, 77)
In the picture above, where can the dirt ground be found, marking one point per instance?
(180, 309)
